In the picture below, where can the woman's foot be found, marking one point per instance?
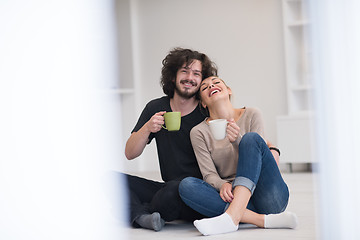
(216, 225)
(281, 220)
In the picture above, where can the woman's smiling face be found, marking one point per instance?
(212, 88)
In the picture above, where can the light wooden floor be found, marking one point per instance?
(302, 202)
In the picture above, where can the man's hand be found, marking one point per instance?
(138, 140)
(156, 121)
(232, 130)
(226, 192)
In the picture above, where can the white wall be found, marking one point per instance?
(244, 38)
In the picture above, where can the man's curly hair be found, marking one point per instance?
(176, 59)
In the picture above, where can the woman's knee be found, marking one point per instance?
(187, 186)
(251, 139)
(251, 136)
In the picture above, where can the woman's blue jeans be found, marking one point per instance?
(257, 170)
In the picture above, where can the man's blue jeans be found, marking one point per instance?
(257, 170)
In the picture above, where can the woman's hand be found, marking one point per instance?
(232, 130)
(226, 192)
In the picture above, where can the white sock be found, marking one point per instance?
(281, 220)
(216, 225)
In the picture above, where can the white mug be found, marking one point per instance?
(218, 128)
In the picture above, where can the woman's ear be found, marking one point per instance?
(230, 91)
(202, 104)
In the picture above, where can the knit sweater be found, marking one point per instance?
(218, 159)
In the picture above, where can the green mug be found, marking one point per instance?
(172, 121)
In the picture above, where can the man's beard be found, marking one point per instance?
(186, 93)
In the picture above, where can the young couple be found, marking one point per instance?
(222, 182)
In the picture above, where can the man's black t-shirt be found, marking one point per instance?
(176, 155)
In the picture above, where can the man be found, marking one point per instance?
(152, 203)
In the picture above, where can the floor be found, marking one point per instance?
(302, 202)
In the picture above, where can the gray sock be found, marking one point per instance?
(151, 221)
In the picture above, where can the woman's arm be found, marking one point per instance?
(204, 159)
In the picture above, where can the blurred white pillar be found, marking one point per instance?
(335, 40)
(57, 126)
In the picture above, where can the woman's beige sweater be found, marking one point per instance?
(218, 159)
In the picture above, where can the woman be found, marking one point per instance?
(242, 181)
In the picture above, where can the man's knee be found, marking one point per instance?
(167, 201)
(170, 192)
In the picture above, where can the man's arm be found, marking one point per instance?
(137, 141)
